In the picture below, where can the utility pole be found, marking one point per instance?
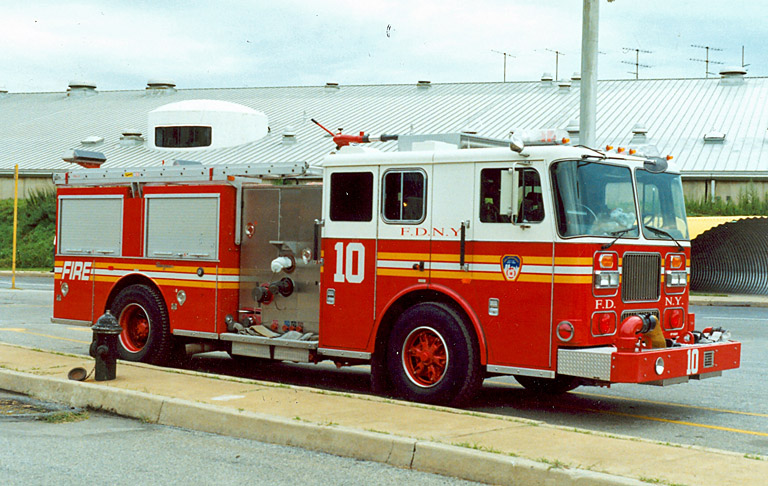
(506, 55)
(588, 104)
(637, 60)
(706, 60)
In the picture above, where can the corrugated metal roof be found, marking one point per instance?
(37, 128)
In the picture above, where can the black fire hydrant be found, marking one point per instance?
(104, 346)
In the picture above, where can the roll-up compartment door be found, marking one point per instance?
(90, 225)
(182, 226)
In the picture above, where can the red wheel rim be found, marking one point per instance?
(425, 357)
(135, 324)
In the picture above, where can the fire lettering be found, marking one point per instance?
(76, 270)
(604, 304)
(673, 301)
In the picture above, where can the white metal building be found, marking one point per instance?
(715, 128)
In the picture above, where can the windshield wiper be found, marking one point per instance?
(664, 233)
(618, 234)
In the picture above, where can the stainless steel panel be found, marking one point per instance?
(594, 363)
(291, 354)
(282, 218)
(253, 350)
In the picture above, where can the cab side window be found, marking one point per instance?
(351, 196)
(496, 194)
(404, 193)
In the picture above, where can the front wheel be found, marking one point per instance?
(146, 337)
(432, 356)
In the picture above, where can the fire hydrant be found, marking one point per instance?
(104, 346)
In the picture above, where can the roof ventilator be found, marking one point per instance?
(92, 140)
(714, 136)
(732, 76)
(573, 131)
(332, 86)
(546, 80)
(81, 88)
(3, 93)
(424, 84)
(289, 136)
(160, 87)
(131, 138)
(563, 86)
(639, 135)
(576, 78)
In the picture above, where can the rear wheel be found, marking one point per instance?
(146, 335)
(432, 356)
(554, 386)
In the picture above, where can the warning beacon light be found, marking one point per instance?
(84, 158)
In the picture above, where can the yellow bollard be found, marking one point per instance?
(15, 223)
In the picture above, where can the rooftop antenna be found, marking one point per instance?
(742, 58)
(706, 61)
(506, 55)
(557, 61)
(637, 60)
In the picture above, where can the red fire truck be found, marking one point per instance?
(453, 259)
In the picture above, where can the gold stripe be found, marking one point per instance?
(573, 279)
(466, 275)
(573, 261)
(391, 272)
(402, 256)
(533, 277)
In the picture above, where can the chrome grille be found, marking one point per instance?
(709, 359)
(627, 313)
(641, 277)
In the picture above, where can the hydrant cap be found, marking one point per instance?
(107, 324)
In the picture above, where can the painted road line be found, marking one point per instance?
(24, 331)
(80, 329)
(681, 405)
(651, 402)
(680, 422)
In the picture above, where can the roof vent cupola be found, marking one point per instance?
(81, 88)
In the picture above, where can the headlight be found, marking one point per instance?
(677, 279)
(606, 280)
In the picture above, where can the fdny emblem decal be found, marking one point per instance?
(510, 267)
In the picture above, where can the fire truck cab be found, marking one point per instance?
(455, 258)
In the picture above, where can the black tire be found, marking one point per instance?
(433, 357)
(546, 386)
(146, 335)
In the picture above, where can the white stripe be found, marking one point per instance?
(212, 277)
(560, 270)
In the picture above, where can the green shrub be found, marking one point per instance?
(749, 204)
(36, 229)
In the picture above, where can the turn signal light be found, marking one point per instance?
(607, 260)
(676, 261)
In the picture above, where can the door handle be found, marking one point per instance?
(419, 266)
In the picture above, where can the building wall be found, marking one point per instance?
(27, 184)
(702, 189)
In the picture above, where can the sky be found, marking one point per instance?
(118, 45)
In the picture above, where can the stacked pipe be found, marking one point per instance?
(731, 258)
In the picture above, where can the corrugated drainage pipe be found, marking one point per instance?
(732, 258)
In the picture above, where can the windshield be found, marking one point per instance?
(662, 205)
(594, 199)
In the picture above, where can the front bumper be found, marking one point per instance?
(680, 363)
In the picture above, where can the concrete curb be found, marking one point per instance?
(25, 273)
(396, 451)
(729, 301)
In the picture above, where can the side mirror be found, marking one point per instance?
(510, 183)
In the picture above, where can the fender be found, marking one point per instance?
(455, 297)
